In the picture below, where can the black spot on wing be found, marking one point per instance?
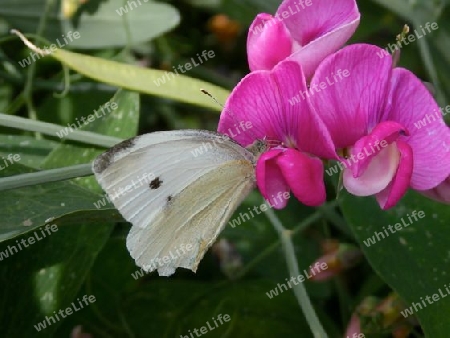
(169, 198)
(104, 160)
(155, 184)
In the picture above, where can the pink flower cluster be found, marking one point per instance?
(368, 115)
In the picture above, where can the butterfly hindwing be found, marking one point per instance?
(192, 219)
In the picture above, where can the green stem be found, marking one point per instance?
(28, 90)
(299, 289)
(344, 300)
(337, 220)
(429, 66)
(77, 84)
(267, 251)
(66, 89)
(300, 227)
(52, 130)
(45, 176)
(127, 29)
(15, 105)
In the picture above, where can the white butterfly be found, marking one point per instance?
(178, 189)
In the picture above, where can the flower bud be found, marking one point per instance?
(339, 257)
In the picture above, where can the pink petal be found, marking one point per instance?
(304, 128)
(441, 193)
(304, 175)
(270, 179)
(319, 29)
(377, 176)
(369, 146)
(402, 179)
(254, 100)
(323, 275)
(354, 327)
(412, 105)
(355, 82)
(264, 99)
(309, 20)
(264, 34)
(313, 53)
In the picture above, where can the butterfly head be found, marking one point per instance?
(258, 147)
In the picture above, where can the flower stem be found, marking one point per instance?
(45, 176)
(299, 289)
(28, 90)
(53, 130)
(268, 250)
(429, 66)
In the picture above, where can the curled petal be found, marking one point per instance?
(402, 179)
(308, 22)
(369, 146)
(268, 42)
(319, 29)
(304, 175)
(270, 179)
(377, 176)
(282, 170)
(312, 54)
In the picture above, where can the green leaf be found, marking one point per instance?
(28, 208)
(119, 117)
(439, 47)
(433, 44)
(417, 10)
(98, 23)
(262, 236)
(170, 308)
(46, 275)
(31, 151)
(25, 209)
(60, 261)
(149, 81)
(414, 260)
(246, 10)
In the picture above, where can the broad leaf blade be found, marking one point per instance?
(169, 308)
(118, 117)
(25, 209)
(30, 150)
(413, 261)
(98, 23)
(45, 276)
(149, 81)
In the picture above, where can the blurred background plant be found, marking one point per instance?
(88, 255)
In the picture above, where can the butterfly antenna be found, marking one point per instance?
(233, 116)
(204, 91)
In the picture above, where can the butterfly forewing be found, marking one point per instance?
(175, 194)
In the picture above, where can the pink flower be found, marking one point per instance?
(440, 193)
(372, 117)
(305, 31)
(260, 100)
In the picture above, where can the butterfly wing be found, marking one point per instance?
(177, 199)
